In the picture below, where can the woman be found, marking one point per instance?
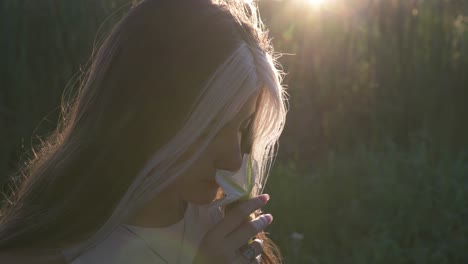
(179, 90)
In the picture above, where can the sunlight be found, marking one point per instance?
(316, 3)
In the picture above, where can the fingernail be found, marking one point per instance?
(268, 218)
(262, 221)
(264, 198)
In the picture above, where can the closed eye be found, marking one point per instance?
(244, 127)
(246, 138)
(245, 124)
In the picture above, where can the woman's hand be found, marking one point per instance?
(221, 244)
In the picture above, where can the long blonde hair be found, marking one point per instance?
(240, 61)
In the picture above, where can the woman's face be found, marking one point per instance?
(197, 185)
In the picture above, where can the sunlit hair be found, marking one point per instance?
(249, 68)
(238, 78)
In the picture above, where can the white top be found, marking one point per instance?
(129, 244)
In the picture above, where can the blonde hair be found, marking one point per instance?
(251, 66)
(245, 72)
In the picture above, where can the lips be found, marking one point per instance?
(210, 179)
(211, 183)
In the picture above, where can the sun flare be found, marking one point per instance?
(316, 3)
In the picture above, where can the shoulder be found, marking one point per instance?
(119, 247)
(26, 258)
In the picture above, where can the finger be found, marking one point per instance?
(238, 214)
(251, 251)
(248, 230)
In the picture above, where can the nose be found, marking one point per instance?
(230, 156)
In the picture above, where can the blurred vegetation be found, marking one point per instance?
(382, 205)
(373, 163)
(44, 48)
(365, 70)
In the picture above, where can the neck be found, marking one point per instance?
(165, 209)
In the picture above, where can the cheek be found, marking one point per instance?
(195, 186)
(195, 173)
(201, 168)
(199, 192)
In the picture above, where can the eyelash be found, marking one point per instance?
(246, 139)
(245, 126)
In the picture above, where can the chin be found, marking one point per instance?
(203, 196)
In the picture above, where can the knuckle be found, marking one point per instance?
(253, 228)
(249, 206)
(259, 223)
(247, 233)
(244, 209)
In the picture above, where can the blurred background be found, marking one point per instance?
(373, 163)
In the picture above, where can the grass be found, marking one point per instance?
(372, 206)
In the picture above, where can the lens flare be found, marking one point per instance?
(316, 3)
